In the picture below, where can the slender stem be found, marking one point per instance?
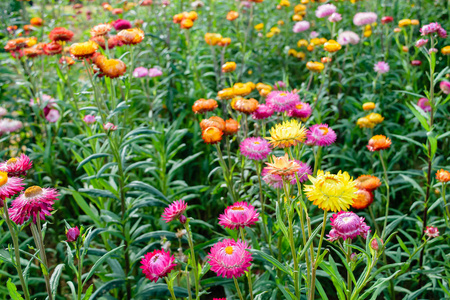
(227, 174)
(314, 263)
(80, 270)
(40, 244)
(194, 263)
(317, 160)
(373, 220)
(170, 287)
(236, 284)
(349, 278)
(387, 194)
(447, 212)
(15, 239)
(248, 273)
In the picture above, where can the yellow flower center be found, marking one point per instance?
(324, 130)
(237, 208)
(3, 178)
(299, 106)
(256, 143)
(33, 191)
(283, 94)
(11, 161)
(229, 250)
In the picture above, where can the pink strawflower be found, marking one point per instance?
(154, 72)
(255, 148)
(301, 26)
(263, 112)
(421, 43)
(432, 50)
(229, 258)
(282, 101)
(301, 110)
(35, 202)
(89, 119)
(8, 126)
(313, 34)
(375, 245)
(364, 18)
(52, 116)
(3, 112)
(140, 72)
(442, 33)
(302, 173)
(445, 87)
(276, 181)
(239, 215)
(335, 17)
(157, 264)
(109, 127)
(121, 24)
(279, 85)
(320, 135)
(273, 180)
(416, 63)
(424, 104)
(72, 234)
(16, 166)
(348, 37)
(381, 67)
(9, 186)
(431, 232)
(347, 225)
(430, 28)
(174, 211)
(325, 10)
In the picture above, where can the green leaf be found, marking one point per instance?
(139, 185)
(98, 193)
(106, 288)
(91, 157)
(419, 116)
(89, 292)
(13, 293)
(99, 262)
(54, 280)
(280, 222)
(414, 184)
(270, 259)
(84, 206)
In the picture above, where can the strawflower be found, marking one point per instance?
(364, 18)
(154, 72)
(347, 225)
(301, 26)
(16, 166)
(379, 142)
(282, 101)
(239, 215)
(424, 104)
(320, 135)
(9, 186)
(325, 10)
(263, 112)
(72, 234)
(301, 110)
(348, 37)
(368, 182)
(287, 134)
(157, 264)
(175, 210)
(443, 176)
(282, 166)
(229, 258)
(255, 148)
(431, 232)
(363, 198)
(140, 72)
(381, 67)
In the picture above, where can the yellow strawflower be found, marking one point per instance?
(287, 134)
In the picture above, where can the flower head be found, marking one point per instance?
(424, 104)
(8, 125)
(174, 211)
(331, 46)
(9, 186)
(379, 142)
(212, 135)
(213, 121)
(301, 26)
(430, 29)
(386, 20)
(157, 264)
(83, 50)
(331, 191)
(445, 87)
(231, 127)
(325, 10)
(368, 182)
(140, 72)
(239, 215)
(60, 34)
(263, 112)
(131, 36)
(301, 110)
(282, 101)
(368, 106)
(276, 181)
(282, 166)
(320, 135)
(101, 29)
(89, 119)
(229, 258)
(431, 232)
(363, 198)
(246, 106)
(287, 134)
(203, 105)
(109, 127)
(35, 203)
(348, 37)
(121, 24)
(16, 166)
(335, 17)
(229, 67)
(255, 148)
(315, 66)
(421, 43)
(443, 176)
(154, 72)
(72, 234)
(381, 67)
(364, 18)
(347, 225)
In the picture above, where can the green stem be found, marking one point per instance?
(236, 284)
(170, 287)
(314, 263)
(248, 273)
(447, 212)
(80, 270)
(349, 278)
(40, 244)
(387, 194)
(194, 263)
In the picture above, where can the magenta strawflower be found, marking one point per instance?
(442, 33)
(16, 166)
(157, 264)
(239, 215)
(33, 203)
(282, 101)
(89, 119)
(421, 43)
(325, 10)
(72, 234)
(320, 135)
(301, 110)
(364, 18)
(347, 225)
(276, 181)
(174, 211)
(121, 24)
(9, 186)
(263, 112)
(255, 148)
(431, 232)
(302, 173)
(301, 26)
(445, 87)
(348, 37)
(229, 258)
(52, 116)
(335, 17)
(273, 180)
(430, 28)
(381, 67)
(140, 72)
(154, 72)
(424, 104)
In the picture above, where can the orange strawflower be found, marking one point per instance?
(212, 39)
(229, 67)
(379, 142)
(131, 36)
(443, 176)
(232, 15)
(60, 34)
(224, 42)
(186, 24)
(112, 68)
(246, 106)
(282, 166)
(241, 89)
(83, 50)
(101, 30)
(231, 127)
(363, 199)
(52, 48)
(203, 105)
(214, 121)
(368, 182)
(212, 135)
(226, 94)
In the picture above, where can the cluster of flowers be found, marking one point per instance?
(214, 39)
(8, 125)
(185, 19)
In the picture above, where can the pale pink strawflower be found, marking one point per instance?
(9, 186)
(320, 135)
(89, 119)
(72, 234)
(431, 232)
(430, 28)
(109, 127)
(325, 10)
(279, 85)
(154, 72)
(229, 258)
(239, 215)
(302, 173)
(381, 67)
(335, 17)
(8, 126)
(313, 34)
(347, 225)
(421, 43)
(255, 148)
(282, 101)
(3, 112)
(52, 116)
(140, 72)
(276, 181)
(348, 37)
(35, 202)
(375, 245)
(301, 26)
(174, 211)
(157, 264)
(16, 166)
(432, 50)
(263, 112)
(273, 180)
(424, 104)
(445, 87)
(364, 18)
(301, 110)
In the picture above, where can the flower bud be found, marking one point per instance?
(72, 234)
